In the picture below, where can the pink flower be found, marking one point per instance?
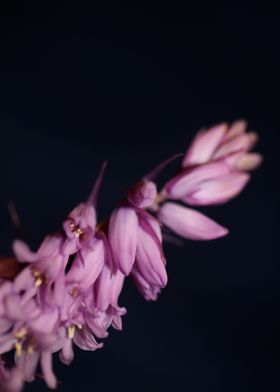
(79, 227)
(227, 142)
(87, 265)
(149, 271)
(123, 237)
(213, 172)
(210, 183)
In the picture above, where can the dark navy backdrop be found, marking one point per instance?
(79, 85)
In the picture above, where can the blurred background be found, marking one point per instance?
(132, 85)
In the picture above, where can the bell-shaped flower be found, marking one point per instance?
(149, 271)
(87, 265)
(123, 237)
(108, 287)
(148, 291)
(79, 227)
(80, 224)
(48, 262)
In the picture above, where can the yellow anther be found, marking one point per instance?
(39, 278)
(36, 273)
(18, 347)
(38, 282)
(21, 333)
(71, 331)
(76, 230)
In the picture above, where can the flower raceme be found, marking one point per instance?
(67, 292)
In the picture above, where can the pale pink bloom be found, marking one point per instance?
(79, 227)
(149, 271)
(150, 259)
(49, 260)
(87, 265)
(189, 180)
(149, 291)
(31, 331)
(123, 237)
(100, 319)
(80, 224)
(108, 287)
(85, 339)
(230, 142)
(189, 223)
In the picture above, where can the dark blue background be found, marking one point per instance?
(132, 85)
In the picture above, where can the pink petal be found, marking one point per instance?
(7, 346)
(220, 190)
(27, 363)
(85, 340)
(87, 265)
(150, 258)
(13, 382)
(66, 355)
(190, 180)
(149, 292)
(204, 145)
(123, 229)
(13, 308)
(23, 252)
(108, 288)
(46, 365)
(24, 280)
(189, 223)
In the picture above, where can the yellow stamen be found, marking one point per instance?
(76, 230)
(39, 278)
(18, 347)
(71, 331)
(38, 282)
(21, 333)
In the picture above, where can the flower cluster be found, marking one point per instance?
(66, 293)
